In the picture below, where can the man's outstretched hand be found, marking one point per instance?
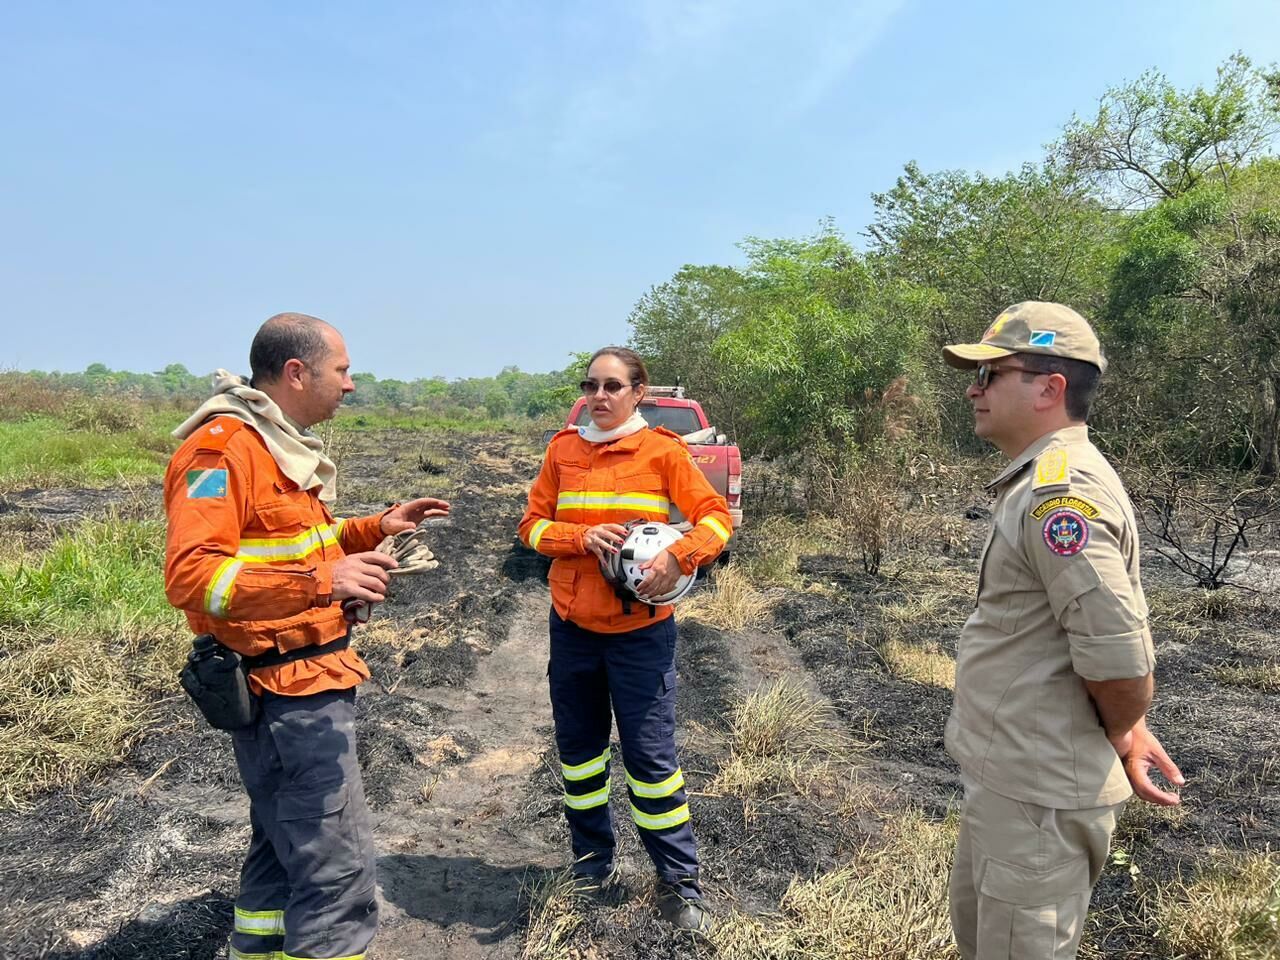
(409, 515)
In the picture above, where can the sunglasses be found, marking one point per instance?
(986, 373)
(589, 388)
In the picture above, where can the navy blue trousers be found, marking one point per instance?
(631, 676)
(307, 885)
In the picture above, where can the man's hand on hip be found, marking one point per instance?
(408, 515)
(362, 576)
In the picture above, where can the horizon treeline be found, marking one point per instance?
(1157, 216)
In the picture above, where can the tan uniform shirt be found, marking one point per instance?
(1059, 601)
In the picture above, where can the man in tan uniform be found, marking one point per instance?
(1054, 666)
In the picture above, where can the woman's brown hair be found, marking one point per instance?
(636, 369)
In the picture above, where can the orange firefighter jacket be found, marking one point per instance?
(249, 557)
(636, 477)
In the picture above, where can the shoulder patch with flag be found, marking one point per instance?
(206, 483)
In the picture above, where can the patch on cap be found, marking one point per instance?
(997, 325)
(1042, 338)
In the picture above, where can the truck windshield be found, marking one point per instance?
(679, 420)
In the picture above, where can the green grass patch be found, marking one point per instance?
(45, 451)
(88, 640)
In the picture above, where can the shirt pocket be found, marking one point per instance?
(279, 515)
(642, 493)
(639, 479)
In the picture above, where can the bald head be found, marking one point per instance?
(285, 337)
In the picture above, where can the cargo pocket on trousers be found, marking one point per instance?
(323, 834)
(668, 695)
(1031, 888)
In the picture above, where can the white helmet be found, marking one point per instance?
(645, 540)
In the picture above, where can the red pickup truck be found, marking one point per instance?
(718, 459)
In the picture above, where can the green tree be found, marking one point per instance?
(1149, 141)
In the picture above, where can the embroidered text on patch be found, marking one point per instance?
(206, 483)
(1066, 533)
(1069, 503)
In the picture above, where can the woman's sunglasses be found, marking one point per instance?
(590, 388)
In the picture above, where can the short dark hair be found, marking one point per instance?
(285, 337)
(1082, 379)
(636, 369)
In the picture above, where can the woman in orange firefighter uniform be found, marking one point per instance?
(606, 652)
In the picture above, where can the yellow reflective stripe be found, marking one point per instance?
(606, 500)
(585, 801)
(589, 768)
(337, 531)
(535, 535)
(234, 954)
(289, 548)
(659, 821)
(290, 956)
(664, 788)
(717, 526)
(217, 596)
(260, 923)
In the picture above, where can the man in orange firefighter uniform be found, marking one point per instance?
(255, 558)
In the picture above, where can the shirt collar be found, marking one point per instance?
(1076, 433)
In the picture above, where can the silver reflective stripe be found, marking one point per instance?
(535, 535)
(659, 821)
(607, 500)
(589, 768)
(217, 598)
(717, 526)
(290, 548)
(664, 788)
(260, 923)
(585, 801)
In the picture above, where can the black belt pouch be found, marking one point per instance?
(216, 679)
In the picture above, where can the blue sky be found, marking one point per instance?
(460, 187)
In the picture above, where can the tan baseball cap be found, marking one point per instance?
(1032, 326)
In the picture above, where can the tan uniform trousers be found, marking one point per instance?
(1023, 875)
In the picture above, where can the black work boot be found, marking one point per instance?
(681, 911)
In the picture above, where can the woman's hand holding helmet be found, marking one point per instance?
(661, 574)
(604, 539)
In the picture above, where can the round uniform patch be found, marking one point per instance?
(1066, 532)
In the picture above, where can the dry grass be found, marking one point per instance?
(1173, 608)
(729, 602)
(1229, 911)
(555, 914)
(22, 396)
(1264, 677)
(889, 904)
(90, 639)
(925, 664)
(781, 736)
(783, 541)
(927, 607)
